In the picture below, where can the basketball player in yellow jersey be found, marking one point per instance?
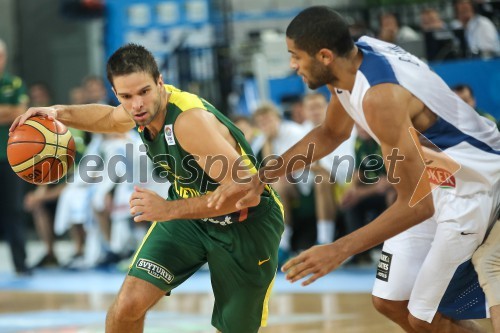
(240, 247)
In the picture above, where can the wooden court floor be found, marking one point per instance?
(289, 313)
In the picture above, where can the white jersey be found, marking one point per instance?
(469, 139)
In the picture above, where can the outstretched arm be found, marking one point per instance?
(323, 139)
(89, 117)
(387, 108)
(203, 136)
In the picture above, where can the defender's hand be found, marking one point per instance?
(252, 189)
(319, 260)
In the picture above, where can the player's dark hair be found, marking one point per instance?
(320, 27)
(131, 58)
(462, 87)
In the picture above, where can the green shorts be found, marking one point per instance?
(242, 257)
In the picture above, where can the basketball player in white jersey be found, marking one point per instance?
(446, 201)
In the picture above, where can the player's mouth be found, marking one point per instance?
(140, 116)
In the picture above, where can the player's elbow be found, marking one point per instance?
(425, 208)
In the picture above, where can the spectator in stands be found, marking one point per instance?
(368, 195)
(466, 93)
(39, 94)
(257, 140)
(358, 29)
(481, 35)
(13, 102)
(281, 135)
(41, 202)
(430, 20)
(77, 215)
(393, 32)
(296, 110)
(333, 174)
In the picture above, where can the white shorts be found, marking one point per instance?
(418, 264)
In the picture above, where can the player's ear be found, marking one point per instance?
(326, 56)
(160, 80)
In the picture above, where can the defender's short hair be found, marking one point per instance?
(320, 27)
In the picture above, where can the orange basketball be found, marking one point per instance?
(41, 150)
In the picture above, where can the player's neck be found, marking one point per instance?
(346, 68)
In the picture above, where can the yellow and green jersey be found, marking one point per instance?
(181, 169)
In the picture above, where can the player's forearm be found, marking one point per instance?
(315, 145)
(196, 208)
(88, 117)
(396, 219)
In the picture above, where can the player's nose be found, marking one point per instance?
(137, 103)
(293, 65)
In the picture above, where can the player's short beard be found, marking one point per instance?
(156, 111)
(319, 75)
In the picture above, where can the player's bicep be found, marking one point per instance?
(198, 132)
(386, 112)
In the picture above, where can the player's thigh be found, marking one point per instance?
(169, 254)
(486, 262)
(243, 275)
(400, 261)
(462, 224)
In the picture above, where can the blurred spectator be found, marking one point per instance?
(329, 168)
(260, 146)
(40, 95)
(393, 32)
(77, 95)
(481, 34)
(77, 215)
(358, 29)
(294, 109)
(465, 92)
(281, 135)
(95, 90)
(42, 201)
(430, 20)
(13, 102)
(370, 191)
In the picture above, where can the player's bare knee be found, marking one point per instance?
(127, 308)
(419, 325)
(386, 307)
(477, 257)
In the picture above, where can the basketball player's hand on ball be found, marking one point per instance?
(50, 112)
(146, 205)
(319, 260)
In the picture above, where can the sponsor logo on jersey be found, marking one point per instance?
(169, 135)
(441, 177)
(384, 266)
(264, 261)
(226, 221)
(155, 270)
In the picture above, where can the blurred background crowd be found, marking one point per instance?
(233, 53)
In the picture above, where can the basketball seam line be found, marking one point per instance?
(42, 143)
